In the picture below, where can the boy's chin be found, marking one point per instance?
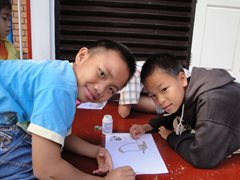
(172, 111)
(82, 99)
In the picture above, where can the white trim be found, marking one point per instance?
(45, 133)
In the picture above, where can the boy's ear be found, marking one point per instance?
(183, 79)
(82, 53)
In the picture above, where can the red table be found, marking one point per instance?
(83, 126)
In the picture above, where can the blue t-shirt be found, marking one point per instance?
(42, 93)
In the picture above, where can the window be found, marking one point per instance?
(146, 27)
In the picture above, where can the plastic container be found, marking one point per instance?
(107, 124)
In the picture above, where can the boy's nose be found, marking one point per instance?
(161, 100)
(99, 90)
(8, 23)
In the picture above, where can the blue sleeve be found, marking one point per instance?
(53, 113)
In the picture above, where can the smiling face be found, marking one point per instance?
(166, 90)
(5, 15)
(99, 74)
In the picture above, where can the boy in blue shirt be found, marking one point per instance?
(40, 97)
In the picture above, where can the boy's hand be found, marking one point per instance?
(137, 130)
(164, 132)
(104, 161)
(123, 173)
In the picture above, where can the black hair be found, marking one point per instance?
(123, 51)
(5, 4)
(164, 61)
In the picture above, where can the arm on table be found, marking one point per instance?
(48, 163)
(79, 146)
(124, 110)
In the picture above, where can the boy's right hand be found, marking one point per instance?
(123, 173)
(137, 130)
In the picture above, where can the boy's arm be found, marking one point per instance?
(78, 146)
(104, 160)
(124, 110)
(48, 164)
(154, 124)
(212, 140)
(204, 149)
(166, 121)
(145, 104)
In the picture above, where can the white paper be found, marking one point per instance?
(89, 105)
(141, 154)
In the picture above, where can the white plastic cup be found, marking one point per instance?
(107, 124)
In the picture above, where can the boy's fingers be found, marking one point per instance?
(101, 154)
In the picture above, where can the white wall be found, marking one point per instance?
(43, 29)
(216, 35)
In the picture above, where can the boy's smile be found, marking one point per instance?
(166, 90)
(90, 96)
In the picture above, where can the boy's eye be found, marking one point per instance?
(101, 73)
(4, 18)
(164, 90)
(152, 96)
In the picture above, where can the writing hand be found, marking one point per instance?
(137, 130)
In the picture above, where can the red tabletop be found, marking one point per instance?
(86, 120)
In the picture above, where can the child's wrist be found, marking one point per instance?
(147, 128)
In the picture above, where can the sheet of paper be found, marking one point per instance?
(89, 105)
(141, 154)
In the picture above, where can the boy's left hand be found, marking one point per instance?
(164, 132)
(104, 161)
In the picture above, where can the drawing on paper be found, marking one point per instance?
(115, 138)
(133, 147)
(141, 154)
